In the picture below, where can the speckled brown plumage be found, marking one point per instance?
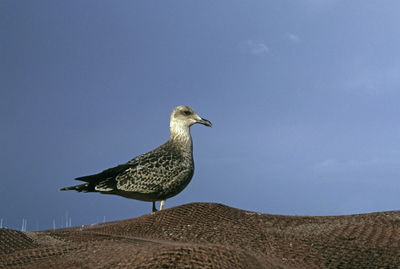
(154, 176)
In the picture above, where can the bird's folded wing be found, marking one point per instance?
(106, 174)
(135, 180)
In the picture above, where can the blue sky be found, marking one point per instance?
(304, 98)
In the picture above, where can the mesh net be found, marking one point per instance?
(206, 235)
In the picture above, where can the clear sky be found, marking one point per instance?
(304, 97)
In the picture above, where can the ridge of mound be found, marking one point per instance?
(12, 241)
(209, 234)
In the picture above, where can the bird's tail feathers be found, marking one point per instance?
(80, 188)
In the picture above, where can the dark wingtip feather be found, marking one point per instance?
(84, 178)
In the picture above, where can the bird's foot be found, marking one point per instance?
(162, 203)
(154, 207)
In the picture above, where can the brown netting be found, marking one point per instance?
(205, 235)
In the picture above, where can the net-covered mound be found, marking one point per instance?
(202, 235)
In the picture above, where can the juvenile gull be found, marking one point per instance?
(154, 176)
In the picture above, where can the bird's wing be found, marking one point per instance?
(106, 174)
(150, 173)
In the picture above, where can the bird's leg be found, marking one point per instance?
(162, 204)
(154, 206)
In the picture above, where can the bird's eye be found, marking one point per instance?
(187, 112)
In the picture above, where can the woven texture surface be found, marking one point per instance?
(206, 235)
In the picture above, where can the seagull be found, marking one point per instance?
(154, 176)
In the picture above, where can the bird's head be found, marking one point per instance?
(186, 116)
(182, 118)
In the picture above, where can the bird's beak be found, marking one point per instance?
(204, 122)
